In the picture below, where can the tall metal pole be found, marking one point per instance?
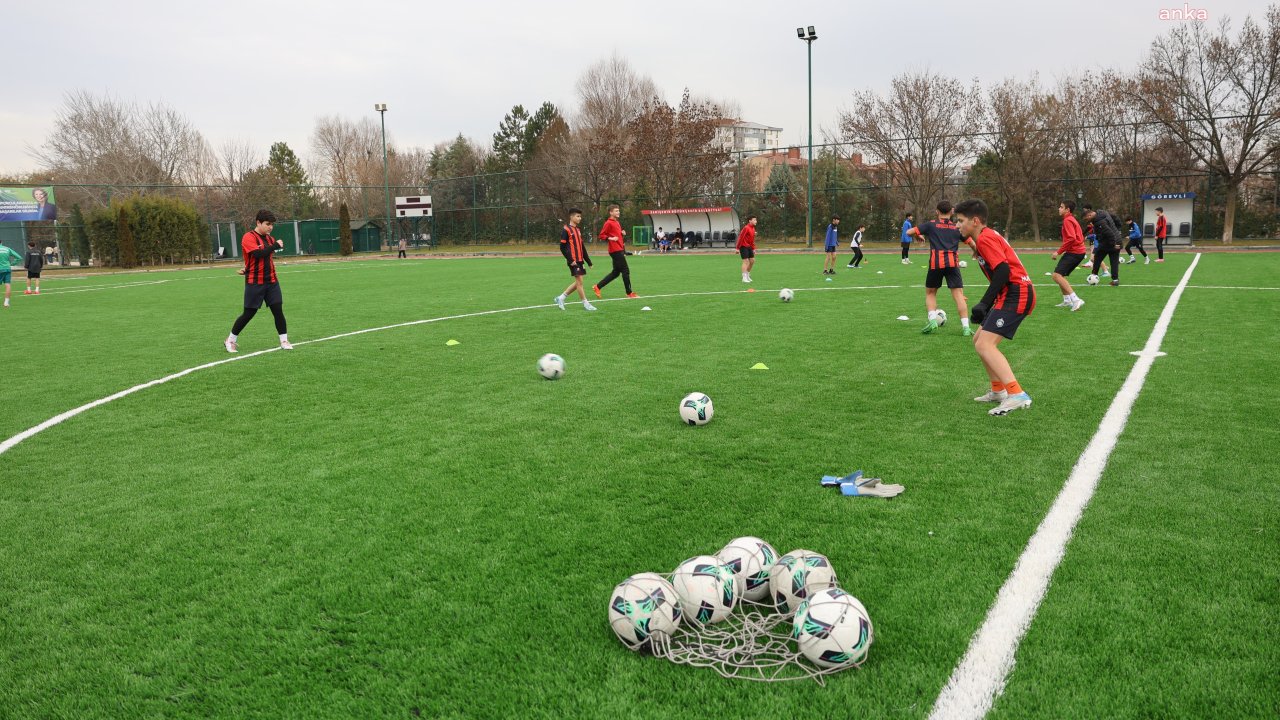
(808, 227)
(386, 176)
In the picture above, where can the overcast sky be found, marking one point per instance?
(265, 70)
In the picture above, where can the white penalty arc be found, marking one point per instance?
(980, 676)
(9, 443)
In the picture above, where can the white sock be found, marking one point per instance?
(231, 337)
(284, 338)
(561, 296)
(964, 322)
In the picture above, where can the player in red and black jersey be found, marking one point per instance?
(1009, 299)
(944, 263)
(260, 283)
(575, 254)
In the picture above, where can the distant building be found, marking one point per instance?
(756, 169)
(746, 138)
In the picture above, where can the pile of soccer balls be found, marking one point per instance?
(829, 627)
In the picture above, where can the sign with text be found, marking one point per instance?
(31, 203)
(413, 206)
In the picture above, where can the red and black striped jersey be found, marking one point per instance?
(259, 267)
(944, 243)
(993, 251)
(571, 244)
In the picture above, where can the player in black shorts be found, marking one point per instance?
(1107, 229)
(944, 264)
(575, 254)
(260, 282)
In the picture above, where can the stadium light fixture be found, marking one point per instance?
(381, 108)
(808, 226)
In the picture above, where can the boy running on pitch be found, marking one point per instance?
(34, 263)
(1008, 301)
(575, 254)
(1071, 253)
(856, 246)
(829, 265)
(747, 247)
(1135, 241)
(1107, 228)
(7, 256)
(944, 262)
(613, 232)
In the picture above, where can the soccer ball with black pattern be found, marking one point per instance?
(696, 409)
(1092, 279)
(786, 295)
(833, 630)
(551, 366)
(750, 559)
(707, 589)
(942, 317)
(642, 606)
(796, 576)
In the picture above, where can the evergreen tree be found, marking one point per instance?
(344, 230)
(287, 166)
(79, 238)
(124, 238)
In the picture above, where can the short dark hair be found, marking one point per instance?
(862, 226)
(265, 216)
(835, 217)
(973, 208)
(1086, 207)
(908, 216)
(1159, 209)
(1128, 219)
(945, 207)
(575, 211)
(31, 243)
(750, 218)
(1070, 205)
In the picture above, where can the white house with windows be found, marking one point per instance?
(746, 138)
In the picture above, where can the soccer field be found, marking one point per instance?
(381, 525)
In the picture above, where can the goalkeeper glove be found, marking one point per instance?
(979, 313)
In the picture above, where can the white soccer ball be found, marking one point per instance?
(1092, 279)
(964, 264)
(642, 606)
(942, 317)
(786, 295)
(832, 629)
(551, 366)
(696, 409)
(707, 589)
(796, 576)
(750, 559)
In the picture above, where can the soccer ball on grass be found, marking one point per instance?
(642, 606)
(750, 559)
(696, 409)
(796, 576)
(786, 295)
(832, 629)
(707, 589)
(1092, 279)
(551, 366)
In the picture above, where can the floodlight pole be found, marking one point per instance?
(386, 177)
(808, 226)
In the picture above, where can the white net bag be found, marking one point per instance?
(746, 618)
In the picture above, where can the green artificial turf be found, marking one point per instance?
(382, 525)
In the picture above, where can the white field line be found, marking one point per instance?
(980, 676)
(62, 417)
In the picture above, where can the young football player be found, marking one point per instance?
(1009, 299)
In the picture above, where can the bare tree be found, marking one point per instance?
(102, 140)
(1018, 120)
(1219, 95)
(237, 158)
(671, 149)
(610, 94)
(919, 131)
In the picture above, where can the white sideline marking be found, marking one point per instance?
(57, 419)
(980, 676)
